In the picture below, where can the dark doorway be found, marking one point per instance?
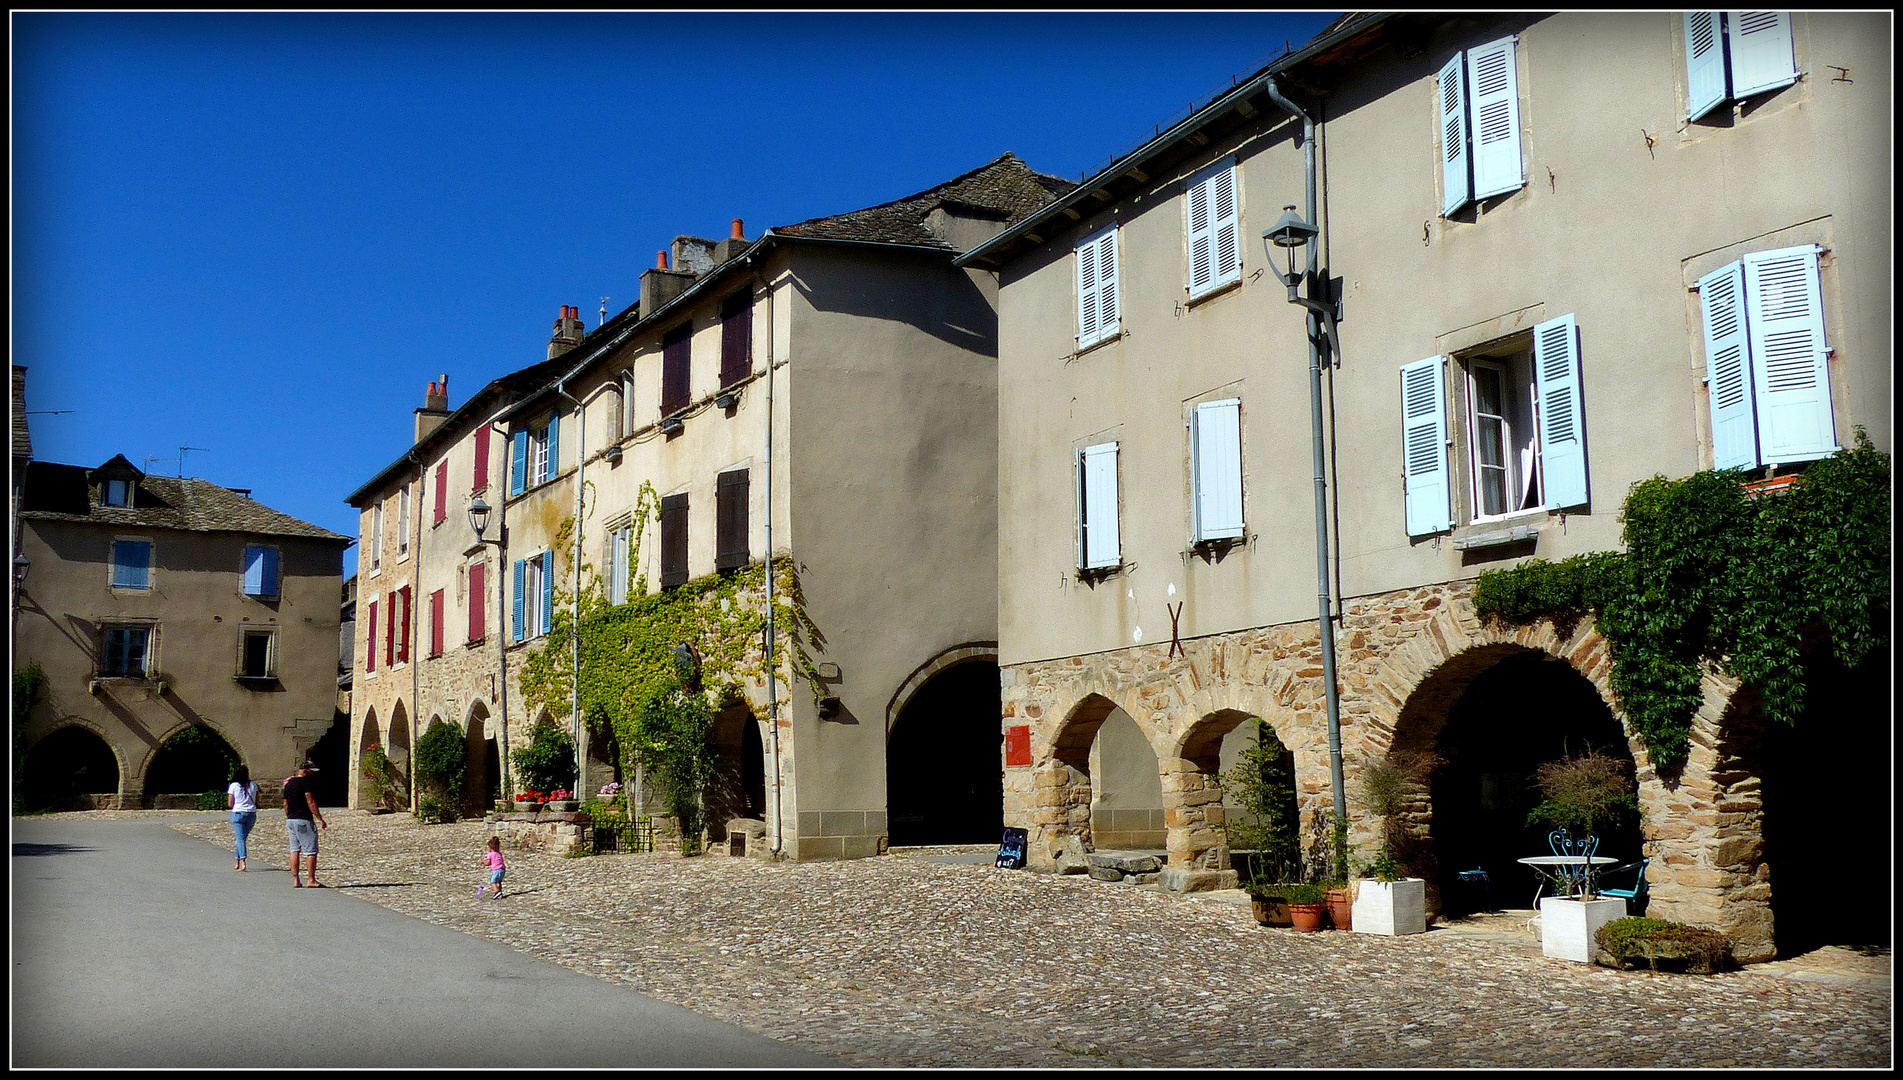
(66, 765)
(1523, 712)
(944, 761)
(194, 760)
(331, 755)
(738, 787)
(1826, 784)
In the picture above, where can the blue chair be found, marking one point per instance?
(1635, 896)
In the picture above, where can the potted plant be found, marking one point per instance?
(547, 763)
(561, 800)
(1339, 899)
(1386, 900)
(529, 801)
(1306, 905)
(1268, 904)
(1264, 826)
(1582, 793)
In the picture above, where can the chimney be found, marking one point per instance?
(694, 254)
(732, 245)
(660, 284)
(435, 407)
(568, 332)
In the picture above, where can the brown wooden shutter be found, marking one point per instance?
(436, 623)
(736, 337)
(403, 645)
(482, 459)
(478, 624)
(730, 512)
(674, 369)
(674, 540)
(442, 493)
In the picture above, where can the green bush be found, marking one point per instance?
(435, 811)
(211, 800)
(1262, 784)
(440, 759)
(1635, 940)
(548, 761)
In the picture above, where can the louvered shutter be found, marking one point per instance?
(1108, 320)
(736, 338)
(548, 590)
(1557, 381)
(676, 356)
(442, 493)
(1456, 184)
(1761, 57)
(254, 571)
(268, 574)
(1216, 438)
(1494, 81)
(390, 620)
(1424, 446)
(516, 605)
(1088, 317)
(673, 540)
(436, 623)
(1097, 472)
(1785, 313)
(550, 464)
(1734, 426)
(730, 513)
(477, 595)
(370, 641)
(518, 462)
(1704, 63)
(1201, 264)
(480, 479)
(409, 620)
(1211, 228)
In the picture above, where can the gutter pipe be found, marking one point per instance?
(574, 682)
(1320, 318)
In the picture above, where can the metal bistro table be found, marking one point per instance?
(1565, 872)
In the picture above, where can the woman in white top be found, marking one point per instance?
(242, 798)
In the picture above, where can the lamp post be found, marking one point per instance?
(479, 521)
(1291, 233)
(20, 565)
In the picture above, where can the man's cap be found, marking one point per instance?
(308, 764)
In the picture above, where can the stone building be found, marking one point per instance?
(155, 604)
(1538, 238)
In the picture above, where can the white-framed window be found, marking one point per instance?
(376, 535)
(257, 653)
(619, 537)
(403, 520)
(1766, 360)
(125, 651)
(533, 454)
(131, 563)
(627, 401)
(1098, 546)
(1213, 228)
(1097, 314)
(1521, 429)
(116, 493)
(612, 413)
(1480, 125)
(534, 600)
(1215, 456)
(1731, 55)
(260, 571)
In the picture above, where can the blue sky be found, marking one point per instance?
(263, 235)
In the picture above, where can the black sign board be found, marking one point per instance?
(1011, 851)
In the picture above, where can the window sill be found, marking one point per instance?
(1098, 344)
(100, 682)
(255, 682)
(1207, 295)
(1092, 575)
(473, 642)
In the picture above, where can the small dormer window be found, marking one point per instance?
(117, 493)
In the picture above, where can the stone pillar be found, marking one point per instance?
(1192, 810)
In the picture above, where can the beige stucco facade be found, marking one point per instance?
(1623, 207)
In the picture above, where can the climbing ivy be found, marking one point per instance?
(632, 687)
(1712, 573)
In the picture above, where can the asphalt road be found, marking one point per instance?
(137, 946)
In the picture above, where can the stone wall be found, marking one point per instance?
(1403, 659)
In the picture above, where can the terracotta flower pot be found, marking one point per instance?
(1270, 910)
(1307, 917)
(1341, 908)
(527, 807)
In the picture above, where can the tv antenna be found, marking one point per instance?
(181, 457)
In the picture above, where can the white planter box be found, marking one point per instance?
(1391, 907)
(1567, 926)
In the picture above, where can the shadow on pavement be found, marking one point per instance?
(49, 849)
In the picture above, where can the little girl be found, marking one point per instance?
(496, 869)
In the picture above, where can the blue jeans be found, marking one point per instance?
(241, 822)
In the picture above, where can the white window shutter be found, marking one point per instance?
(1734, 427)
(1761, 56)
(1097, 507)
(1456, 186)
(1108, 323)
(1087, 314)
(1704, 63)
(1201, 258)
(1216, 451)
(1214, 243)
(1562, 413)
(1785, 312)
(1424, 446)
(1494, 81)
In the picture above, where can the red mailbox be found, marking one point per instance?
(1017, 745)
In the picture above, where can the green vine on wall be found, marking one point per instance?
(1711, 573)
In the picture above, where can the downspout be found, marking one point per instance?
(502, 607)
(1321, 325)
(574, 682)
(416, 585)
(772, 691)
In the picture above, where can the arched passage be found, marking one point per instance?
(1494, 714)
(397, 746)
(1127, 808)
(194, 759)
(331, 755)
(368, 790)
(482, 763)
(1192, 786)
(944, 764)
(66, 768)
(737, 788)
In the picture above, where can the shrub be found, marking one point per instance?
(1583, 792)
(440, 758)
(211, 800)
(1631, 941)
(1388, 785)
(548, 761)
(435, 811)
(1262, 783)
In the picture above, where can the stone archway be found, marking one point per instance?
(1059, 815)
(72, 766)
(944, 784)
(1192, 792)
(367, 792)
(397, 748)
(482, 764)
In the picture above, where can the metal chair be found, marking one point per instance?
(1636, 893)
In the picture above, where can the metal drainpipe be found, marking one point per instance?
(1322, 319)
(772, 691)
(416, 584)
(574, 682)
(502, 605)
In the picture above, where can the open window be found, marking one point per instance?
(1732, 55)
(257, 653)
(125, 651)
(1098, 545)
(1480, 125)
(1766, 360)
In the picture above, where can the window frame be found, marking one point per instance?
(1517, 483)
(403, 522)
(273, 569)
(246, 634)
(1086, 504)
(148, 569)
(147, 653)
(1201, 531)
(1205, 181)
(106, 491)
(1088, 258)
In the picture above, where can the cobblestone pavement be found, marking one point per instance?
(908, 962)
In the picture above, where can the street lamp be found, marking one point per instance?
(479, 521)
(20, 566)
(1291, 234)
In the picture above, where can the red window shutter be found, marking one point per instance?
(389, 630)
(477, 594)
(442, 492)
(482, 459)
(736, 337)
(403, 653)
(370, 651)
(436, 623)
(675, 352)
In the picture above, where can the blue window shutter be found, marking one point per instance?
(1456, 187)
(548, 590)
(1761, 57)
(1097, 466)
(516, 608)
(1785, 313)
(270, 571)
(518, 462)
(1562, 414)
(1704, 63)
(131, 564)
(1493, 80)
(1424, 446)
(254, 571)
(1734, 424)
(551, 468)
(1216, 455)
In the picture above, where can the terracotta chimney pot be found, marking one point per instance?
(738, 232)
(660, 260)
